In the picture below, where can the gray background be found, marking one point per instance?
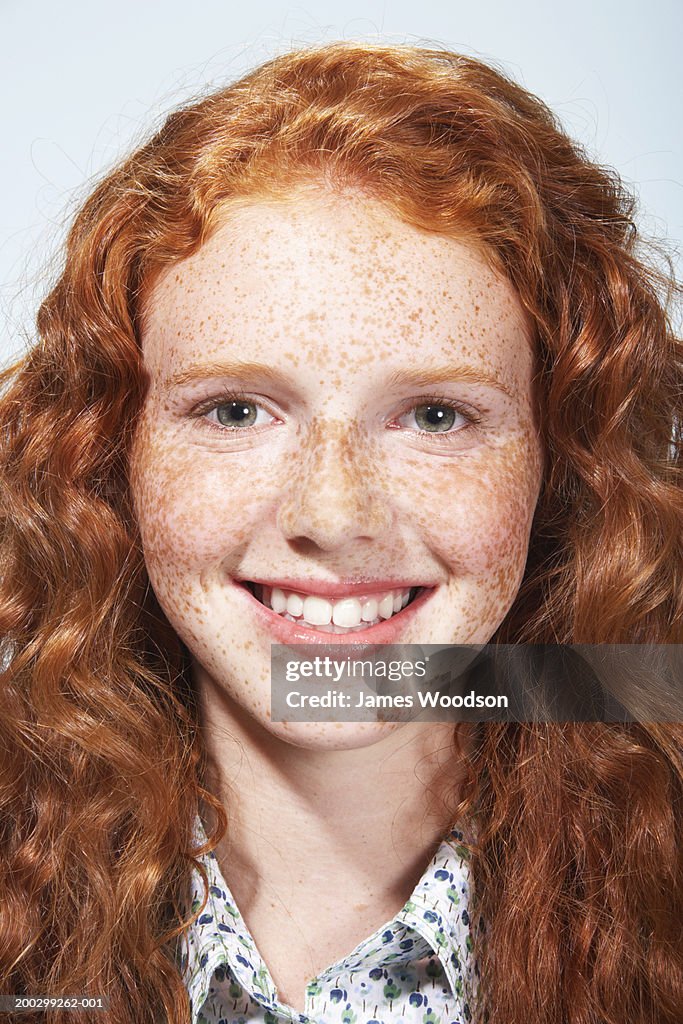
(82, 81)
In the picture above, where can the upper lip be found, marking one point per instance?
(350, 588)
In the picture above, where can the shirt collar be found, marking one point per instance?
(434, 919)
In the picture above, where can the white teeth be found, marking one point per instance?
(295, 605)
(317, 611)
(347, 612)
(346, 615)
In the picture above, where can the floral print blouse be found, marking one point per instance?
(416, 969)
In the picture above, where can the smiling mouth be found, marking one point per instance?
(344, 615)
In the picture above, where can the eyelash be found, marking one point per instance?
(472, 417)
(200, 410)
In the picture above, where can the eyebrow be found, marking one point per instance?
(445, 375)
(399, 379)
(205, 371)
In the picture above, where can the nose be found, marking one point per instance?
(333, 494)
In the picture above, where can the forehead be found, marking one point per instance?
(321, 270)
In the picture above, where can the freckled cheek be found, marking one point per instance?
(475, 519)
(195, 509)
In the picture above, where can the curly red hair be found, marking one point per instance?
(576, 871)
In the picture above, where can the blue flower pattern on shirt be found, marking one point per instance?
(416, 969)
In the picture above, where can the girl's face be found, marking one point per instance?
(340, 418)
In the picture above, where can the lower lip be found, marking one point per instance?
(387, 632)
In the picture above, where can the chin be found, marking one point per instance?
(333, 735)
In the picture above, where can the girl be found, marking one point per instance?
(358, 349)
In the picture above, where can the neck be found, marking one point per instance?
(306, 824)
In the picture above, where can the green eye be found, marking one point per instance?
(237, 414)
(435, 418)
